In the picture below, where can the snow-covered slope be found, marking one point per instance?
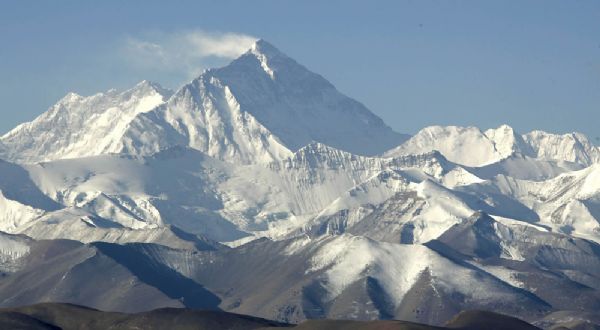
(269, 158)
(200, 194)
(353, 277)
(464, 145)
(524, 167)
(397, 269)
(568, 203)
(21, 200)
(299, 106)
(574, 147)
(318, 189)
(260, 108)
(472, 147)
(81, 126)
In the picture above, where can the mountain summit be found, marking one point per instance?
(261, 107)
(454, 218)
(471, 146)
(80, 126)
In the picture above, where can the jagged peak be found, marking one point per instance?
(70, 97)
(573, 147)
(448, 128)
(261, 51)
(506, 128)
(319, 148)
(578, 136)
(503, 130)
(507, 141)
(265, 48)
(143, 86)
(432, 154)
(274, 63)
(265, 53)
(146, 87)
(147, 84)
(317, 152)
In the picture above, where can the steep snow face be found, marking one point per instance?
(574, 147)
(463, 145)
(260, 108)
(81, 126)
(15, 214)
(507, 142)
(206, 116)
(300, 106)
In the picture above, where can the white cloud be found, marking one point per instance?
(184, 52)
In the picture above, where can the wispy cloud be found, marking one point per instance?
(185, 52)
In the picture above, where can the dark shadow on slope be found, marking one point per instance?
(477, 236)
(168, 281)
(16, 320)
(16, 184)
(458, 258)
(476, 320)
(200, 243)
(593, 207)
(380, 298)
(69, 316)
(504, 205)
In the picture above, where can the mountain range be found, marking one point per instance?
(53, 316)
(258, 188)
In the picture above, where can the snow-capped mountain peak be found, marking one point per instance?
(266, 53)
(473, 147)
(573, 147)
(261, 107)
(507, 142)
(464, 145)
(81, 126)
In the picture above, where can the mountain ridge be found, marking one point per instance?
(470, 146)
(266, 191)
(259, 108)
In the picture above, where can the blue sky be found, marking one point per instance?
(529, 64)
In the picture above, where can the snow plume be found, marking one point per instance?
(184, 51)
